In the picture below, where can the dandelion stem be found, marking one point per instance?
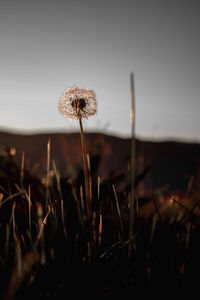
(85, 165)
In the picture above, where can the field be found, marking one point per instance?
(53, 246)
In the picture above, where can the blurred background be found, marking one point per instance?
(48, 45)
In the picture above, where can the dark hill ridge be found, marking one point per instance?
(172, 163)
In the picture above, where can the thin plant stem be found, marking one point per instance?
(89, 176)
(118, 209)
(78, 205)
(47, 178)
(57, 175)
(22, 170)
(41, 237)
(43, 224)
(86, 175)
(132, 166)
(98, 187)
(11, 197)
(29, 209)
(100, 230)
(12, 218)
(18, 256)
(82, 201)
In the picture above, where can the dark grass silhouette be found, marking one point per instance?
(48, 250)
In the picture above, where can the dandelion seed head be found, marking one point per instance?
(76, 103)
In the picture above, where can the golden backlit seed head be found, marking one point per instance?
(77, 103)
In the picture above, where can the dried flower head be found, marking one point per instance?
(77, 103)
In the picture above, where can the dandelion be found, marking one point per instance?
(78, 103)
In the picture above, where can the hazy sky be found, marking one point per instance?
(49, 45)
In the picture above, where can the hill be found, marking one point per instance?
(174, 164)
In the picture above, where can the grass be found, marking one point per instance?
(47, 248)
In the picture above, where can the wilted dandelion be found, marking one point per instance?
(78, 103)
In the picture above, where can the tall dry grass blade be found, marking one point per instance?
(157, 207)
(48, 169)
(189, 186)
(94, 232)
(82, 201)
(18, 255)
(39, 214)
(100, 230)
(179, 203)
(57, 175)
(188, 232)
(40, 237)
(89, 250)
(43, 224)
(154, 222)
(191, 211)
(27, 195)
(98, 187)
(63, 217)
(195, 205)
(12, 218)
(109, 249)
(3, 189)
(118, 209)
(12, 197)
(62, 212)
(77, 202)
(29, 209)
(23, 242)
(1, 198)
(130, 240)
(132, 168)
(22, 170)
(90, 178)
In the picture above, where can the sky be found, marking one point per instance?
(47, 46)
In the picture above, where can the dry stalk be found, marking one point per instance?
(48, 177)
(22, 170)
(118, 209)
(132, 168)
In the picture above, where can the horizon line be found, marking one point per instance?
(141, 137)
